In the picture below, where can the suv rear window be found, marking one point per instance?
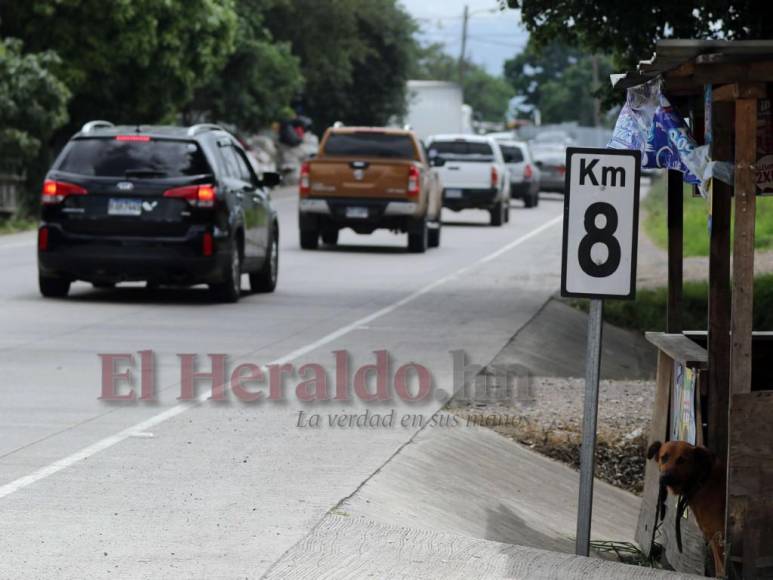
(370, 145)
(512, 154)
(102, 157)
(462, 150)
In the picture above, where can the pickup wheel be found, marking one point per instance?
(309, 239)
(433, 236)
(507, 212)
(497, 214)
(330, 237)
(418, 239)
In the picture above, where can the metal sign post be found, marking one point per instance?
(601, 224)
(589, 420)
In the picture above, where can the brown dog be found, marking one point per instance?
(697, 475)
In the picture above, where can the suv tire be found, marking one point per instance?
(309, 239)
(497, 214)
(230, 289)
(419, 238)
(53, 287)
(264, 280)
(330, 237)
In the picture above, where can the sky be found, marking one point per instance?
(493, 35)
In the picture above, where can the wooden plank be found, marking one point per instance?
(690, 80)
(718, 375)
(743, 246)
(750, 484)
(675, 251)
(658, 432)
(692, 558)
(736, 91)
(680, 348)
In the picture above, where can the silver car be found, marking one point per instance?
(523, 171)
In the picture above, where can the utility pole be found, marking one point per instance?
(465, 19)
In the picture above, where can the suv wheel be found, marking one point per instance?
(53, 287)
(418, 239)
(330, 237)
(433, 237)
(230, 289)
(264, 280)
(309, 239)
(497, 214)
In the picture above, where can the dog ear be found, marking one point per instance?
(653, 450)
(704, 461)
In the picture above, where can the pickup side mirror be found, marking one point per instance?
(437, 161)
(270, 179)
(539, 164)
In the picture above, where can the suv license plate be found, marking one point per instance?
(453, 193)
(357, 212)
(131, 207)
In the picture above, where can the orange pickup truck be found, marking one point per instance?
(367, 178)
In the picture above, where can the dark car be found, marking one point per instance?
(166, 205)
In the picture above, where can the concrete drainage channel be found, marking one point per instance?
(465, 502)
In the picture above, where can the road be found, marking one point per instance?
(210, 489)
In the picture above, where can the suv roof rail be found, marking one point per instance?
(91, 125)
(195, 129)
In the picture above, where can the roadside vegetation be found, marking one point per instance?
(696, 232)
(12, 225)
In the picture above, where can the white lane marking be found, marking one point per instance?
(143, 426)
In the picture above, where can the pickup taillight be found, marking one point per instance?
(494, 177)
(304, 181)
(56, 191)
(414, 181)
(527, 172)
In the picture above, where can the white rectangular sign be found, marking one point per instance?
(601, 223)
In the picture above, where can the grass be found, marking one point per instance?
(648, 311)
(696, 234)
(13, 225)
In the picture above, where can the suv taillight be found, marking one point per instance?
(56, 191)
(304, 182)
(527, 172)
(414, 181)
(494, 177)
(196, 195)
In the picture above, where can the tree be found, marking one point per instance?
(487, 94)
(259, 80)
(33, 101)
(355, 56)
(557, 80)
(630, 31)
(130, 61)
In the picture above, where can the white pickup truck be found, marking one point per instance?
(473, 174)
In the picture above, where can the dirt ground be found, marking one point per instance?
(546, 416)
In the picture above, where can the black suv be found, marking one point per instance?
(166, 205)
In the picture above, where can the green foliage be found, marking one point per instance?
(488, 95)
(355, 56)
(33, 101)
(648, 310)
(696, 236)
(259, 80)
(630, 31)
(556, 79)
(131, 61)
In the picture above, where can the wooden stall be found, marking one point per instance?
(715, 385)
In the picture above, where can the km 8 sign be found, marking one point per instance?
(601, 223)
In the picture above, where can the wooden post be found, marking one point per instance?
(675, 251)
(743, 245)
(719, 287)
(742, 308)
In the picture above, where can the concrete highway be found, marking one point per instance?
(205, 489)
